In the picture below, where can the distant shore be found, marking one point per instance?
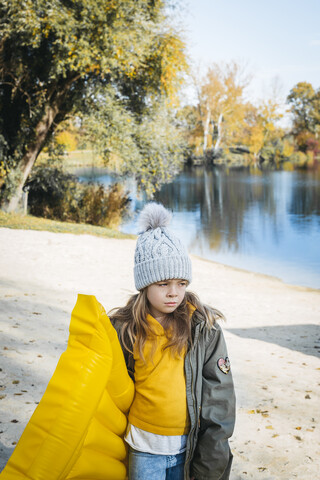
(260, 274)
(272, 332)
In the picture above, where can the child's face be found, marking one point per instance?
(164, 297)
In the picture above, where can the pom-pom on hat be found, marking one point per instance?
(159, 254)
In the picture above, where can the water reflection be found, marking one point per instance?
(305, 199)
(267, 222)
(224, 203)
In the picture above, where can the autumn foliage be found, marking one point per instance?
(116, 65)
(225, 127)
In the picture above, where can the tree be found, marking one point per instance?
(260, 128)
(231, 127)
(305, 106)
(221, 104)
(117, 61)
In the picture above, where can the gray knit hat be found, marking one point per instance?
(159, 254)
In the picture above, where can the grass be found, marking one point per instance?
(77, 158)
(84, 158)
(28, 222)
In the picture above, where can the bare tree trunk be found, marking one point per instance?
(219, 138)
(206, 124)
(41, 133)
(31, 155)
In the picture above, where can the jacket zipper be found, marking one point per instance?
(187, 460)
(193, 400)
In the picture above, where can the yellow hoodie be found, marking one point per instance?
(160, 404)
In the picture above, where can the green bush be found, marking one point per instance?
(58, 195)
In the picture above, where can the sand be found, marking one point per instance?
(272, 332)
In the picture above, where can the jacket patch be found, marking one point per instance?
(224, 365)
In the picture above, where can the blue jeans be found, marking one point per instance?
(147, 466)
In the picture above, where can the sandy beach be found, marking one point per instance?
(272, 332)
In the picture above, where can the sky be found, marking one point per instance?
(274, 39)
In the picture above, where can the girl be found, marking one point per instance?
(184, 406)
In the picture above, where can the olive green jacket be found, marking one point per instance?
(211, 401)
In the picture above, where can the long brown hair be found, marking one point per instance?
(136, 329)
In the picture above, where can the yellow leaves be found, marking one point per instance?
(171, 53)
(269, 126)
(256, 139)
(221, 93)
(119, 52)
(95, 68)
(288, 149)
(132, 71)
(3, 171)
(264, 413)
(67, 139)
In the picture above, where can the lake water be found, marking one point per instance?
(267, 222)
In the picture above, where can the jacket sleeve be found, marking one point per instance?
(212, 458)
(128, 357)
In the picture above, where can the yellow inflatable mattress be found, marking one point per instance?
(76, 432)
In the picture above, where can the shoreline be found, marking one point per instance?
(264, 275)
(127, 236)
(272, 333)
